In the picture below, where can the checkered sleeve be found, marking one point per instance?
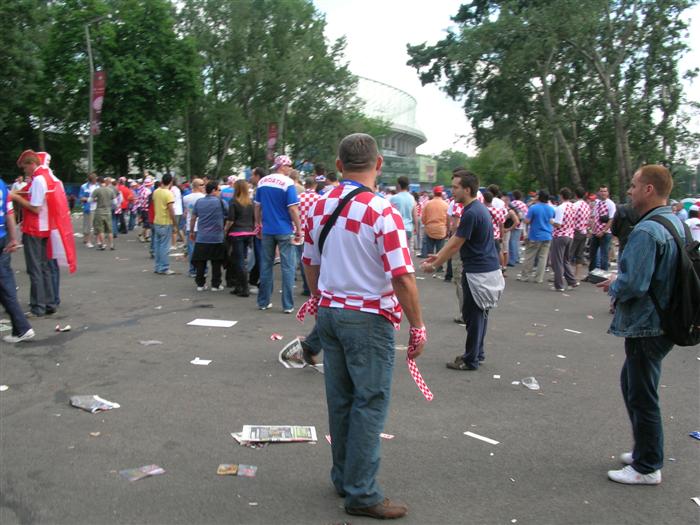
(393, 243)
(311, 255)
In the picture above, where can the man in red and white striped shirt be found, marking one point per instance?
(363, 275)
(562, 236)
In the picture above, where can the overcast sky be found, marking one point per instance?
(377, 32)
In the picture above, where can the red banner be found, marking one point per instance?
(99, 79)
(271, 140)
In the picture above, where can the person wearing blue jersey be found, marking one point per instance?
(277, 212)
(21, 329)
(88, 208)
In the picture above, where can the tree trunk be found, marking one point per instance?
(551, 116)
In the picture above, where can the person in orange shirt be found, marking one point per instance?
(434, 219)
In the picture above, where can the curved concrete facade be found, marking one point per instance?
(396, 107)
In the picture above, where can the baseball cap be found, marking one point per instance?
(281, 160)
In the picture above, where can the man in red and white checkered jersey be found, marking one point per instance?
(564, 222)
(603, 214)
(498, 217)
(306, 200)
(582, 219)
(365, 279)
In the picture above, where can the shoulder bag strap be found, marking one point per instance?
(331, 220)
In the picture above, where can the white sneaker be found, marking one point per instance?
(288, 310)
(26, 336)
(265, 307)
(629, 476)
(89, 245)
(219, 288)
(626, 458)
(201, 288)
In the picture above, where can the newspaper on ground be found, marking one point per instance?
(92, 403)
(278, 433)
(292, 356)
(247, 471)
(238, 436)
(134, 474)
(217, 323)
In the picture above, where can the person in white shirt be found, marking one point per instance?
(177, 208)
(693, 221)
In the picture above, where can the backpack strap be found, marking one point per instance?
(680, 244)
(336, 213)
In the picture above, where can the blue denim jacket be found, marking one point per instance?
(648, 261)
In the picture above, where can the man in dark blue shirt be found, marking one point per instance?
(482, 280)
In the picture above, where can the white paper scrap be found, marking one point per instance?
(515, 382)
(697, 501)
(218, 323)
(3, 388)
(496, 376)
(561, 356)
(482, 438)
(198, 361)
(572, 331)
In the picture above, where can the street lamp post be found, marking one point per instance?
(92, 72)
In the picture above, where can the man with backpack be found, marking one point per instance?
(644, 294)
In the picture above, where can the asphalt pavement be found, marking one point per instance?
(549, 466)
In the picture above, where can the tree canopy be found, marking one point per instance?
(581, 91)
(191, 84)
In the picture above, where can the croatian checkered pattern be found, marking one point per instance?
(422, 201)
(498, 217)
(568, 222)
(599, 210)
(454, 209)
(306, 199)
(141, 202)
(522, 211)
(310, 307)
(582, 216)
(365, 249)
(418, 378)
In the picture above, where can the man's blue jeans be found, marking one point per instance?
(161, 245)
(358, 361)
(8, 293)
(599, 246)
(514, 247)
(639, 381)
(433, 246)
(287, 262)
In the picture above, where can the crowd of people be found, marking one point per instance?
(350, 243)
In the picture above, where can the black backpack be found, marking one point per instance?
(681, 320)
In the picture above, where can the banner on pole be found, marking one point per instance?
(271, 140)
(97, 96)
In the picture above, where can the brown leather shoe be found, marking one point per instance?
(386, 510)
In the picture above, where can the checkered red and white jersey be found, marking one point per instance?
(454, 209)
(522, 210)
(601, 209)
(582, 216)
(306, 199)
(422, 201)
(498, 217)
(480, 197)
(564, 214)
(364, 250)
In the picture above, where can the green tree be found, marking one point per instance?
(573, 84)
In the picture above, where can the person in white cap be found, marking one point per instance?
(277, 212)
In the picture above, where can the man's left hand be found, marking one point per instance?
(11, 247)
(605, 285)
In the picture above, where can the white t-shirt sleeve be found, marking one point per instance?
(611, 208)
(559, 214)
(37, 193)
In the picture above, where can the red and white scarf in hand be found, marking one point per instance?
(309, 307)
(416, 337)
